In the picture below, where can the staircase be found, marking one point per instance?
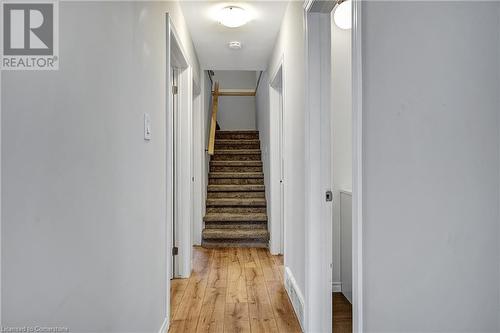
(236, 203)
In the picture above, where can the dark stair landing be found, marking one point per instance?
(236, 202)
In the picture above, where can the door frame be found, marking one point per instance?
(198, 159)
(277, 154)
(317, 18)
(182, 198)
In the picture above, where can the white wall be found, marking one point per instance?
(236, 113)
(290, 47)
(83, 195)
(431, 166)
(341, 133)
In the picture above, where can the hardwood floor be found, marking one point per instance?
(342, 314)
(232, 290)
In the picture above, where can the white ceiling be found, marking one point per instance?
(211, 38)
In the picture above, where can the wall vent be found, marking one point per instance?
(295, 296)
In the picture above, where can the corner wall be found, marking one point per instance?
(290, 46)
(431, 166)
(83, 195)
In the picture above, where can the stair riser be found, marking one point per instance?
(243, 195)
(225, 146)
(236, 157)
(236, 136)
(222, 181)
(216, 225)
(237, 210)
(235, 169)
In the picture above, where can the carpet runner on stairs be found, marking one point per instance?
(236, 202)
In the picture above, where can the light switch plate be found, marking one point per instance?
(147, 127)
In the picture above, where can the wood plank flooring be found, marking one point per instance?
(232, 290)
(342, 314)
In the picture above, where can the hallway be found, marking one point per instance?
(232, 290)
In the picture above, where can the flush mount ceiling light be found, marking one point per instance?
(233, 16)
(234, 45)
(342, 15)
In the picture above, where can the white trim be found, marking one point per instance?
(295, 296)
(198, 165)
(168, 171)
(308, 5)
(357, 203)
(314, 301)
(175, 54)
(346, 192)
(276, 69)
(183, 148)
(277, 230)
(336, 287)
(184, 176)
(1, 323)
(318, 214)
(164, 326)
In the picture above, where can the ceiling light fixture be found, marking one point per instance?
(343, 15)
(233, 16)
(234, 45)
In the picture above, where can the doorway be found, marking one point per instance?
(175, 185)
(277, 185)
(332, 202)
(179, 159)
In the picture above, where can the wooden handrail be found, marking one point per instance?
(213, 124)
(216, 93)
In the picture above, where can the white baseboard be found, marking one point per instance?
(336, 287)
(164, 326)
(295, 296)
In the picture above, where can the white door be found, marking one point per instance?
(278, 181)
(282, 170)
(175, 108)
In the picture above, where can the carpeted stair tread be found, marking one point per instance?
(236, 175)
(236, 141)
(228, 217)
(237, 132)
(251, 202)
(236, 225)
(236, 136)
(246, 234)
(236, 163)
(237, 152)
(236, 194)
(236, 188)
(236, 207)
